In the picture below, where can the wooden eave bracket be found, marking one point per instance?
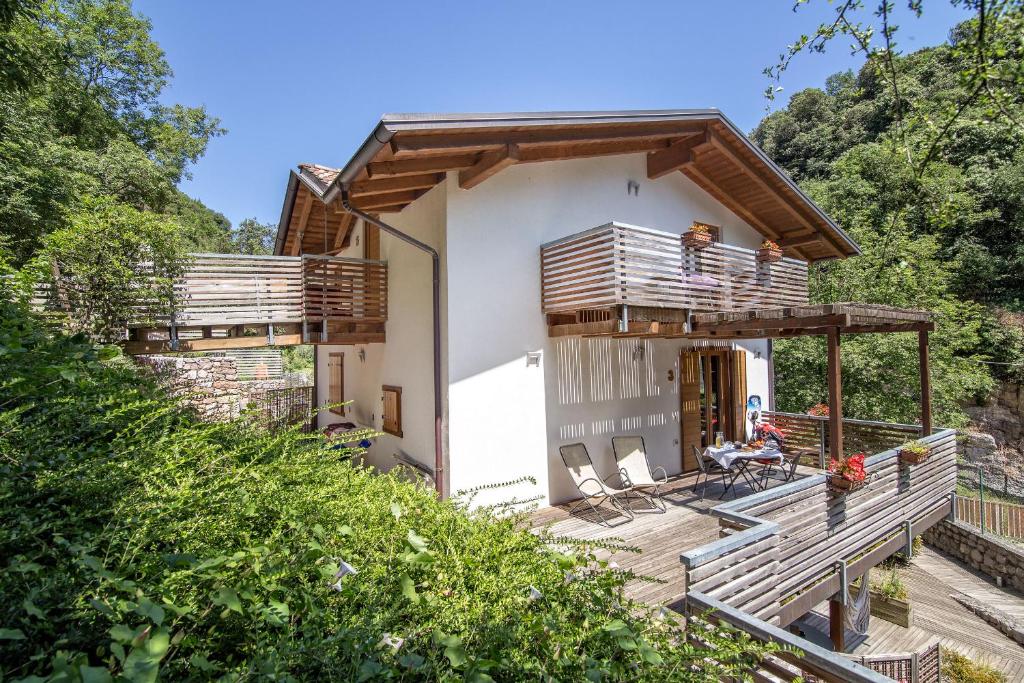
(490, 163)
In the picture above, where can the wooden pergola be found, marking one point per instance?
(831, 321)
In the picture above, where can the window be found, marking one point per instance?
(336, 382)
(392, 410)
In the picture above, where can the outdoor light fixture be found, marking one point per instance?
(533, 359)
(362, 355)
(638, 353)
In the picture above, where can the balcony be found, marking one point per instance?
(586, 276)
(236, 301)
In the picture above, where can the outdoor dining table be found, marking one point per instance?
(731, 455)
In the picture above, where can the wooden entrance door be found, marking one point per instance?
(712, 398)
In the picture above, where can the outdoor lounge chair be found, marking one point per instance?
(707, 468)
(635, 469)
(581, 469)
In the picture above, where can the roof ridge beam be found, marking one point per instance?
(407, 142)
(440, 164)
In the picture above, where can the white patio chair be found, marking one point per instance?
(588, 483)
(635, 469)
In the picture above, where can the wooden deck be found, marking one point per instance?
(658, 537)
(931, 579)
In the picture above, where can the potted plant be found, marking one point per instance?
(847, 474)
(770, 252)
(698, 236)
(914, 452)
(818, 410)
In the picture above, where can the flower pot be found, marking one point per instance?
(913, 457)
(842, 485)
(769, 255)
(697, 240)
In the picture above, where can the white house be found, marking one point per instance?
(548, 336)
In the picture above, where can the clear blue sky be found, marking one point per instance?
(306, 81)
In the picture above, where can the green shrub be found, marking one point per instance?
(957, 668)
(891, 587)
(139, 542)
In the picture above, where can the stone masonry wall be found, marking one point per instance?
(987, 554)
(208, 384)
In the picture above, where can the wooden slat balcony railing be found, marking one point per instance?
(619, 264)
(221, 298)
(788, 548)
(859, 436)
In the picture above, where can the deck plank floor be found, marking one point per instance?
(658, 537)
(931, 579)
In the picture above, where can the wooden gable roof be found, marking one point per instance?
(408, 154)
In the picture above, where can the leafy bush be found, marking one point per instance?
(139, 542)
(111, 261)
(957, 668)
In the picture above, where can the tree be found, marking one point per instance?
(110, 263)
(83, 117)
(253, 237)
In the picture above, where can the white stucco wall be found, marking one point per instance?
(406, 359)
(506, 419)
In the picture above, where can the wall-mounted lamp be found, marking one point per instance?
(533, 359)
(633, 188)
(639, 352)
(362, 355)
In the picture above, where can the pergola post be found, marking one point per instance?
(926, 383)
(835, 395)
(836, 628)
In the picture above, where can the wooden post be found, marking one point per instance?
(835, 395)
(926, 383)
(836, 612)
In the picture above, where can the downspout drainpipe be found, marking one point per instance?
(440, 478)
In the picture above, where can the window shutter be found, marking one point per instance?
(739, 395)
(336, 381)
(392, 398)
(689, 406)
(371, 242)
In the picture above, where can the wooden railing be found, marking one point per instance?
(788, 548)
(619, 264)
(231, 289)
(859, 436)
(334, 288)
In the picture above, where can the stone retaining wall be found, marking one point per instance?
(987, 554)
(208, 384)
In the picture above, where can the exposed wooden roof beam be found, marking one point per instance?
(397, 208)
(385, 185)
(476, 139)
(344, 230)
(389, 199)
(679, 154)
(800, 240)
(377, 169)
(300, 231)
(582, 150)
(489, 164)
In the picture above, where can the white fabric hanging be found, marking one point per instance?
(857, 615)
